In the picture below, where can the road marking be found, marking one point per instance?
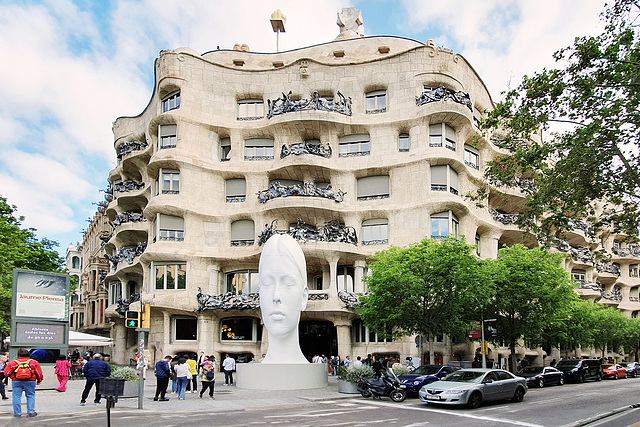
(458, 414)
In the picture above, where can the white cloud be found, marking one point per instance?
(503, 40)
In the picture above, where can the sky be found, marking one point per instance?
(71, 67)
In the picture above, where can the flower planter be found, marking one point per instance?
(347, 387)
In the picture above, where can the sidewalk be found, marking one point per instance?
(51, 402)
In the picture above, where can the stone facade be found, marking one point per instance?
(209, 143)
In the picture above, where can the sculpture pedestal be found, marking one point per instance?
(259, 376)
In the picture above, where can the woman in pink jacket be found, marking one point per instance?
(63, 367)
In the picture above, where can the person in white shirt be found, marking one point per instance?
(228, 366)
(358, 362)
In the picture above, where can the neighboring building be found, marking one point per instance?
(91, 298)
(73, 262)
(350, 146)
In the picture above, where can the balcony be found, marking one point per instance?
(285, 104)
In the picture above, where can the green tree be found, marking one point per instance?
(426, 288)
(20, 248)
(610, 329)
(574, 330)
(532, 294)
(592, 170)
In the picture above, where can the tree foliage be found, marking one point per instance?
(20, 248)
(592, 170)
(427, 288)
(532, 291)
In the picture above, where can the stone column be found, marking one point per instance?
(214, 279)
(343, 332)
(333, 284)
(205, 338)
(358, 267)
(215, 337)
(491, 243)
(166, 323)
(119, 336)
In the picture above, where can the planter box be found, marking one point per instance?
(130, 389)
(347, 387)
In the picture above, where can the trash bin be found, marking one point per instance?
(112, 387)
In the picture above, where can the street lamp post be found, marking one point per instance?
(484, 355)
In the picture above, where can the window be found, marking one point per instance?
(236, 190)
(242, 282)
(250, 109)
(354, 145)
(344, 278)
(633, 294)
(376, 102)
(403, 142)
(478, 244)
(316, 283)
(75, 262)
(375, 231)
(185, 328)
(616, 244)
(477, 116)
(441, 133)
(170, 276)
(225, 149)
(471, 157)
(171, 102)
(633, 270)
(258, 149)
(373, 187)
(115, 292)
(444, 224)
(579, 275)
(361, 333)
(242, 233)
(168, 136)
(168, 182)
(170, 228)
(443, 178)
(240, 329)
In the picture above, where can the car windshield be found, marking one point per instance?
(624, 364)
(567, 363)
(532, 370)
(607, 366)
(427, 370)
(464, 377)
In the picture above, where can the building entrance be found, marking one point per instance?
(318, 337)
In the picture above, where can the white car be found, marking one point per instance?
(471, 387)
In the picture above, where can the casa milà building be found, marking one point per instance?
(350, 146)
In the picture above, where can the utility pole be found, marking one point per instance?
(277, 23)
(142, 360)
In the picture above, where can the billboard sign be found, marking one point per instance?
(40, 294)
(35, 334)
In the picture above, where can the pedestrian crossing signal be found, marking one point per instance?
(132, 319)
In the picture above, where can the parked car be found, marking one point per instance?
(425, 374)
(580, 369)
(461, 363)
(613, 371)
(471, 387)
(540, 376)
(633, 368)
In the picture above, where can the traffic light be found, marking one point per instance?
(146, 316)
(132, 319)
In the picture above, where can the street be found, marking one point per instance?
(593, 403)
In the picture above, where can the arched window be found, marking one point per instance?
(242, 233)
(240, 329)
(444, 224)
(373, 187)
(442, 134)
(375, 231)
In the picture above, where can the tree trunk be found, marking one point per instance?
(432, 352)
(512, 357)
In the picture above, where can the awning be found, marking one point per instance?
(80, 339)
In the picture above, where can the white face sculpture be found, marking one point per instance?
(283, 289)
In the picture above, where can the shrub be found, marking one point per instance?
(353, 375)
(126, 372)
(401, 371)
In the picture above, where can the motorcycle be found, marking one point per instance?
(388, 385)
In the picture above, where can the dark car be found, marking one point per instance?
(580, 369)
(540, 376)
(633, 368)
(424, 375)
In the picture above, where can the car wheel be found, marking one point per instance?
(519, 395)
(581, 379)
(398, 395)
(615, 377)
(599, 377)
(561, 381)
(540, 383)
(475, 400)
(365, 393)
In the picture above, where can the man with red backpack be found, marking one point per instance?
(25, 373)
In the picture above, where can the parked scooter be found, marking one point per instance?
(388, 385)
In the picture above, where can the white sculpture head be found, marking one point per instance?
(283, 295)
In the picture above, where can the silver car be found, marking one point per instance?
(471, 387)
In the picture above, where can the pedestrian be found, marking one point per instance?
(163, 373)
(358, 362)
(347, 361)
(213, 360)
(228, 366)
(193, 385)
(208, 379)
(63, 369)
(174, 379)
(94, 370)
(3, 364)
(183, 376)
(25, 374)
(377, 368)
(201, 361)
(335, 362)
